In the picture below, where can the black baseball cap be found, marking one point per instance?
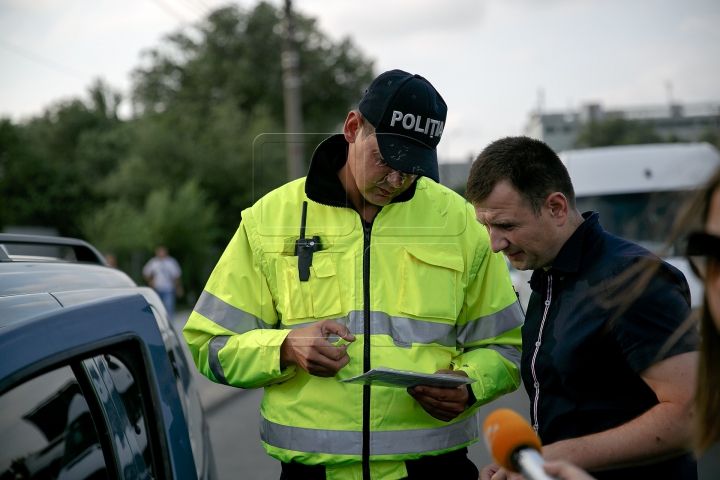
(409, 118)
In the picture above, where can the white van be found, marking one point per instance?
(638, 191)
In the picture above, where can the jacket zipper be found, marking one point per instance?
(536, 384)
(366, 351)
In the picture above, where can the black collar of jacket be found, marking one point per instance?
(572, 252)
(323, 185)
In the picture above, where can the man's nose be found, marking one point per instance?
(498, 242)
(395, 179)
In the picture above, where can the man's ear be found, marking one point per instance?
(557, 205)
(353, 126)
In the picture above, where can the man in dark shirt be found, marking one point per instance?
(608, 390)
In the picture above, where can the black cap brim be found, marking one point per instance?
(408, 156)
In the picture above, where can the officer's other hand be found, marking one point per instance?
(493, 471)
(309, 349)
(566, 471)
(442, 403)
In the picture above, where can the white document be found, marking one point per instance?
(388, 377)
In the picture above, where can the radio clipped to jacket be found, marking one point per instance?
(305, 247)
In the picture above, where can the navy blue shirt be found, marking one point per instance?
(585, 339)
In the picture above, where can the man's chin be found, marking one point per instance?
(520, 262)
(379, 200)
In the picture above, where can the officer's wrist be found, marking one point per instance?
(287, 353)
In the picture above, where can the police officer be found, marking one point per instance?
(391, 270)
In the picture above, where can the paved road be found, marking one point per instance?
(234, 414)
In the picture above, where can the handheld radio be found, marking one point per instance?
(305, 247)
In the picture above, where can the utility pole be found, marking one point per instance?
(291, 94)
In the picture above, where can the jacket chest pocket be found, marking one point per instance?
(429, 282)
(319, 297)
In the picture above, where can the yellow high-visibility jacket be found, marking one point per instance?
(419, 288)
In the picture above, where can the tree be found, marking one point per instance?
(711, 136)
(183, 221)
(616, 131)
(209, 92)
(198, 150)
(235, 56)
(44, 182)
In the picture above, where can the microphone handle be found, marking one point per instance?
(530, 462)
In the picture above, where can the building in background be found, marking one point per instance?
(673, 122)
(454, 175)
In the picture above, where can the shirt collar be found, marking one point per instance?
(323, 185)
(570, 256)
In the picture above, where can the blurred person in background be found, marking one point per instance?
(162, 272)
(111, 259)
(601, 396)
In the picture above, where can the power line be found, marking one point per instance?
(28, 55)
(169, 10)
(194, 7)
(204, 5)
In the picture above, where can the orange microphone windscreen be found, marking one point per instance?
(505, 431)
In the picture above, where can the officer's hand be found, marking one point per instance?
(309, 349)
(442, 403)
(493, 471)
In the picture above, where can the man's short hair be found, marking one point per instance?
(531, 166)
(367, 128)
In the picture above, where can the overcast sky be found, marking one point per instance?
(488, 58)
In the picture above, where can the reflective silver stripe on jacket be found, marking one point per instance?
(392, 442)
(229, 317)
(217, 344)
(401, 329)
(509, 352)
(491, 325)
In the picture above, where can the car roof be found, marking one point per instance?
(31, 286)
(82, 251)
(18, 278)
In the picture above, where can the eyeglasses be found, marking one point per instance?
(703, 253)
(403, 176)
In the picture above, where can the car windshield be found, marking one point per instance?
(644, 218)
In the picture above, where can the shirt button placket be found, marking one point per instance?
(536, 384)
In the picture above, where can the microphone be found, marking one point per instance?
(514, 445)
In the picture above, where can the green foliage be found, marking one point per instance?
(183, 221)
(206, 94)
(179, 172)
(234, 56)
(711, 136)
(48, 172)
(616, 131)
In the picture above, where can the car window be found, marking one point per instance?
(47, 431)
